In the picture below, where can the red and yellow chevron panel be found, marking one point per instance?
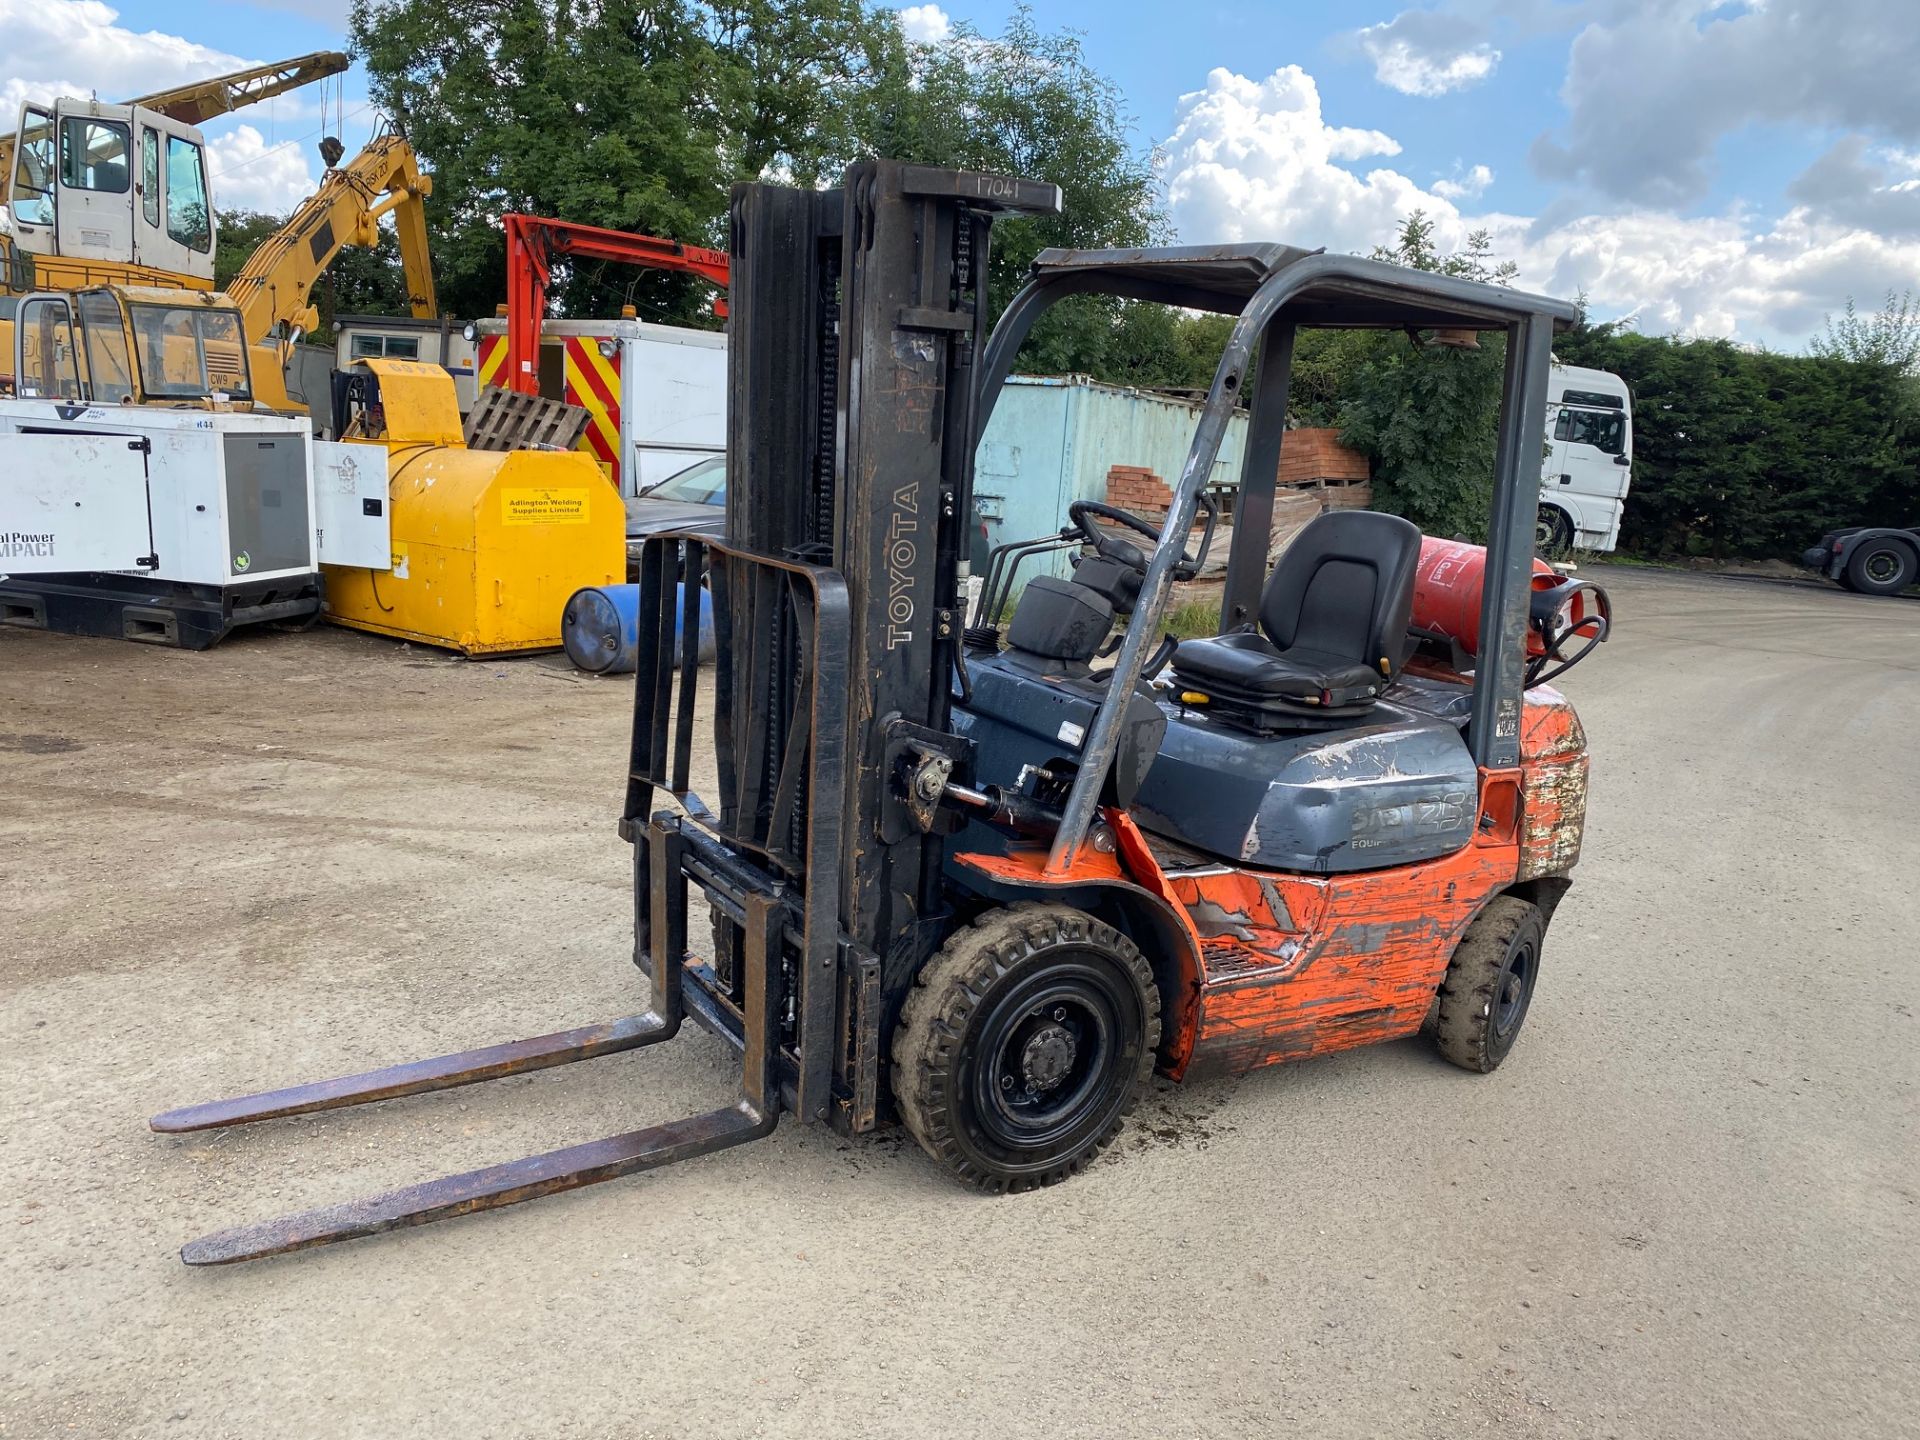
(593, 383)
(491, 364)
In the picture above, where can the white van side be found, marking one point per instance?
(1589, 461)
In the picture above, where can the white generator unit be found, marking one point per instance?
(143, 498)
(141, 523)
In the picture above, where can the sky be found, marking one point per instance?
(1731, 169)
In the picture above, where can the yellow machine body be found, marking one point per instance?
(487, 544)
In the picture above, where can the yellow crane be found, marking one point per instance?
(272, 289)
(117, 195)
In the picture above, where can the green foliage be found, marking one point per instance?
(1026, 102)
(613, 113)
(1743, 453)
(1193, 619)
(1425, 414)
(241, 232)
(1889, 336)
(1155, 346)
(640, 114)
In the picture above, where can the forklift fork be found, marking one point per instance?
(751, 1116)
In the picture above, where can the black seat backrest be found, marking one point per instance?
(1345, 586)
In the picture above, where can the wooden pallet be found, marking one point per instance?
(504, 419)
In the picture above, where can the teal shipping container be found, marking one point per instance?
(1052, 440)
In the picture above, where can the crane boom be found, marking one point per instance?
(534, 243)
(200, 101)
(384, 178)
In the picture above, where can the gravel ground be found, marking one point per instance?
(1685, 1207)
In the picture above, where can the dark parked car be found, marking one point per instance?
(694, 499)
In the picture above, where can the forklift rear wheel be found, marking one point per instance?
(1024, 1045)
(1490, 983)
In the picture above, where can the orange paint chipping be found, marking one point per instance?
(1283, 966)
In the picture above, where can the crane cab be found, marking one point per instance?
(94, 189)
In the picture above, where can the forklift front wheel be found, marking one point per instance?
(1489, 984)
(1024, 1045)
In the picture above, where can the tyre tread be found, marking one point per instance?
(1460, 1030)
(952, 984)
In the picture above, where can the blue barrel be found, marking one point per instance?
(600, 627)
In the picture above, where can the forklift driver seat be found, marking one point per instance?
(1335, 611)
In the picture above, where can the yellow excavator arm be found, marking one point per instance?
(383, 179)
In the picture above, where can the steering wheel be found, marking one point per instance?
(1572, 610)
(1122, 552)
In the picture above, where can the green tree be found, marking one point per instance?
(241, 232)
(1889, 336)
(1742, 453)
(640, 114)
(607, 113)
(1028, 102)
(1425, 413)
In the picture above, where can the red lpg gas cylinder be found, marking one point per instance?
(1447, 589)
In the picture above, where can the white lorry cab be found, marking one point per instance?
(1589, 461)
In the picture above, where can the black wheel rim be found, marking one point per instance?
(1051, 1058)
(1547, 527)
(1883, 566)
(1512, 992)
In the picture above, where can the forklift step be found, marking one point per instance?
(490, 1188)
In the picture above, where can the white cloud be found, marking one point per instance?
(1653, 86)
(249, 174)
(1852, 186)
(1254, 160)
(1257, 161)
(1468, 186)
(925, 24)
(1427, 52)
(50, 42)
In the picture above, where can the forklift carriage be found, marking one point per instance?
(984, 882)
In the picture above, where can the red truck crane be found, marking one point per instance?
(533, 244)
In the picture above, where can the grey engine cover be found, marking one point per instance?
(1400, 789)
(1391, 792)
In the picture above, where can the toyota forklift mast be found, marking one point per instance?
(859, 317)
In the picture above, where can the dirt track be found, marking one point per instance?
(1689, 1204)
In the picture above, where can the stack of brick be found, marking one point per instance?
(1136, 488)
(1317, 474)
(1315, 460)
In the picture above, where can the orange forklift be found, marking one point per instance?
(981, 882)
